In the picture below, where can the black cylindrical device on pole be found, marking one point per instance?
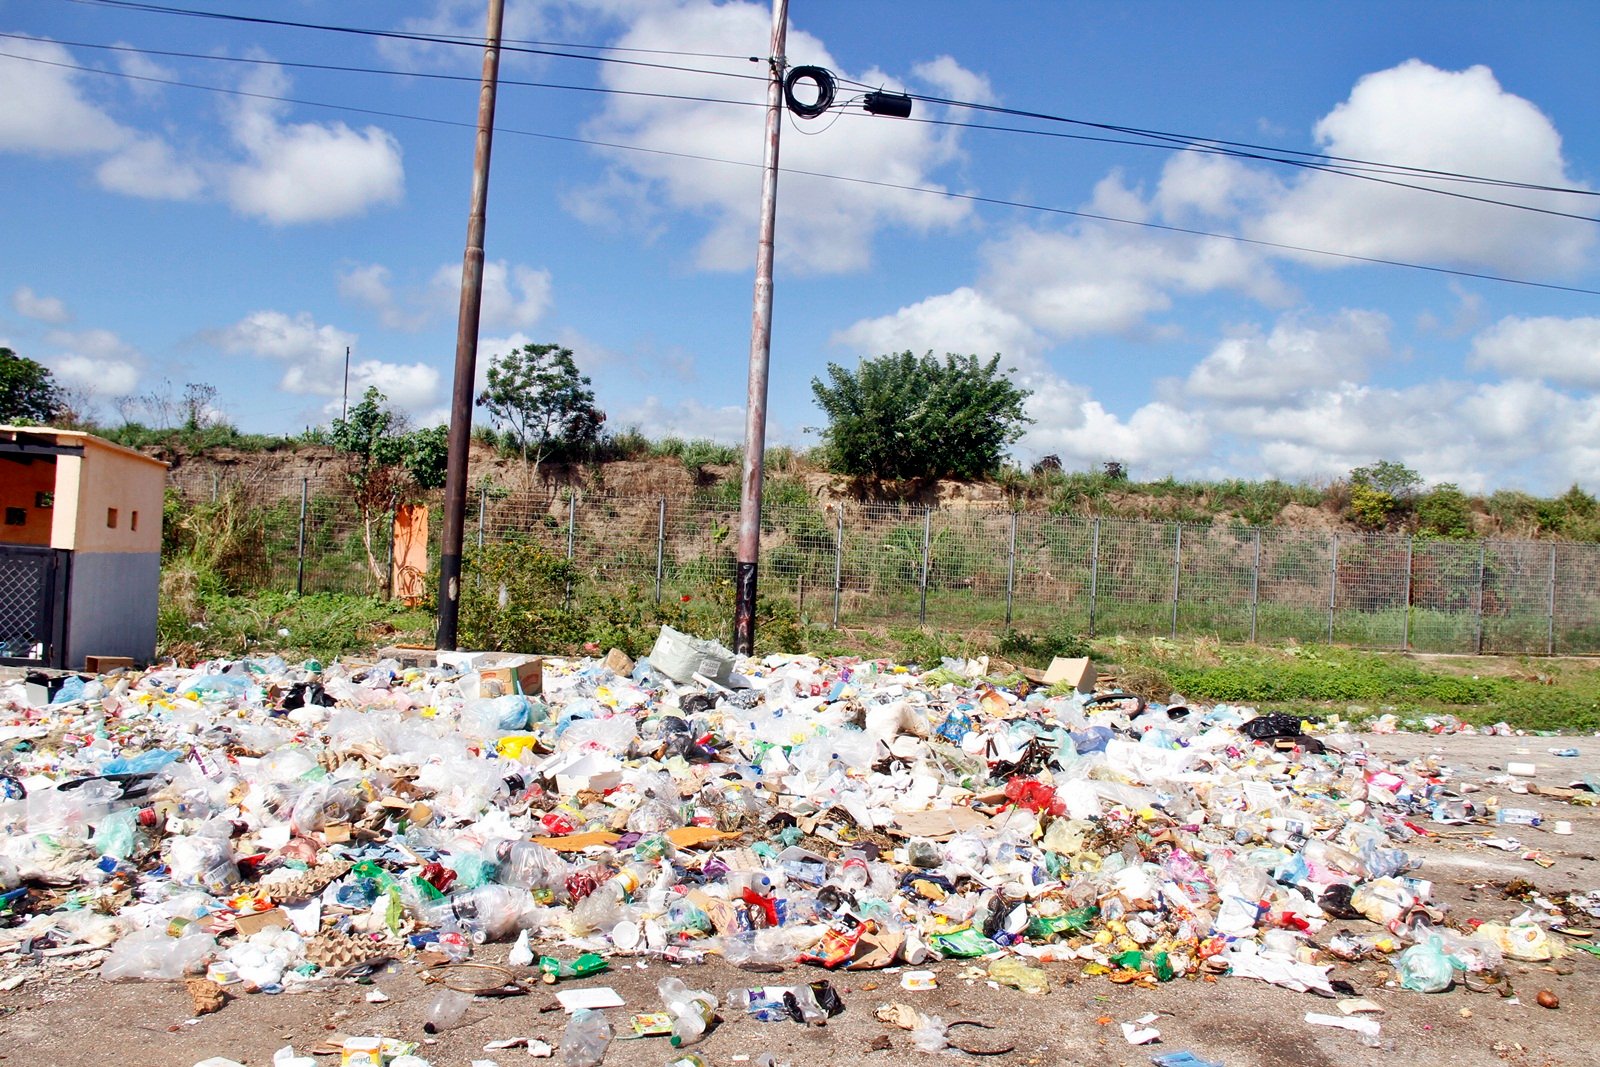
(755, 422)
(460, 439)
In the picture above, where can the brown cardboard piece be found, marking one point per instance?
(937, 825)
(618, 662)
(253, 922)
(1077, 670)
(102, 664)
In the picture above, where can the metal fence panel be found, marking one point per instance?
(1446, 596)
(1295, 584)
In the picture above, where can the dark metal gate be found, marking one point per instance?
(33, 605)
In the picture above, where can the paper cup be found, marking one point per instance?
(1562, 826)
(1522, 770)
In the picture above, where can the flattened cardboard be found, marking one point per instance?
(1078, 670)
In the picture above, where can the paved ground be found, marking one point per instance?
(51, 1022)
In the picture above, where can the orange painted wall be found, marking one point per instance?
(20, 483)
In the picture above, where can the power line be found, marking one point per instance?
(424, 38)
(1351, 167)
(348, 69)
(969, 197)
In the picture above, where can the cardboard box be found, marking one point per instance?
(253, 922)
(1079, 671)
(105, 664)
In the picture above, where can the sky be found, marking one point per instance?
(200, 199)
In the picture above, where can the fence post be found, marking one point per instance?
(1333, 585)
(483, 507)
(1011, 567)
(1405, 626)
(927, 529)
(1550, 630)
(1094, 573)
(214, 487)
(300, 544)
(838, 561)
(661, 542)
(1255, 587)
(572, 532)
(1477, 640)
(1177, 564)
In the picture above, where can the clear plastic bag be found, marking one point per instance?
(1427, 968)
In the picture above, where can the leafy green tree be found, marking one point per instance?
(1380, 493)
(536, 394)
(1444, 511)
(29, 394)
(904, 416)
(387, 463)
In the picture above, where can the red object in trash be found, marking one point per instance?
(1034, 795)
(439, 876)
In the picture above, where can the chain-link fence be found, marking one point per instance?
(875, 564)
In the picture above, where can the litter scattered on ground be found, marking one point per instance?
(253, 826)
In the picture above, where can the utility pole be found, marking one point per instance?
(460, 439)
(344, 408)
(755, 421)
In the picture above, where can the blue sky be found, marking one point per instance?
(159, 233)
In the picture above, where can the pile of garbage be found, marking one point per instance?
(255, 824)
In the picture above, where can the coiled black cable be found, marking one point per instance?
(822, 78)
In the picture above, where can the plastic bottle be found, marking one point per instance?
(693, 1010)
(584, 1042)
(446, 1011)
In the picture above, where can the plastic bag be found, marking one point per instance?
(150, 954)
(1427, 968)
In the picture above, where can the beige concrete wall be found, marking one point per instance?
(116, 479)
(20, 486)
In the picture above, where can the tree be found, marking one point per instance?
(901, 416)
(1444, 511)
(29, 394)
(536, 394)
(387, 463)
(1380, 492)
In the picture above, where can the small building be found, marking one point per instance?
(80, 548)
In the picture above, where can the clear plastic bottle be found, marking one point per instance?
(585, 1040)
(446, 1011)
(693, 1010)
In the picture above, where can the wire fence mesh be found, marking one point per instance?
(900, 564)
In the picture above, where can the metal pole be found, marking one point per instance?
(1405, 631)
(344, 407)
(927, 528)
(460, 439)
(1477, 640)
(300, 546)
(1094, 573)
(1550, 630)
(661, 542)
(1255, 588)
(483, 506)
(838, 561)
(1333, 586)
(755, 421)
(1177, 565)
(1011, 567)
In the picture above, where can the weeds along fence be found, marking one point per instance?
(877, 564)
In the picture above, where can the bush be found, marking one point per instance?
(514, 599)
(1033, 651)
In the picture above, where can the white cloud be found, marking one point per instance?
(96, 361)
(29, 304)
(963, 321)
(514, 297)
(1298, 355)
(146, 167)
(306, 172)
(1068, 422)
(1459, 121)
(688, 419)
(828, 226)
(313, 360)
(144, 74)
(45, 111)
(955, 81)
(1566, 351)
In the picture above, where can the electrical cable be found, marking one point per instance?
(347, 69)
(1178, 141)
(821, 77)
(969, 197)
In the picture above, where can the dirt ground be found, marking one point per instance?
(65, 1018)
